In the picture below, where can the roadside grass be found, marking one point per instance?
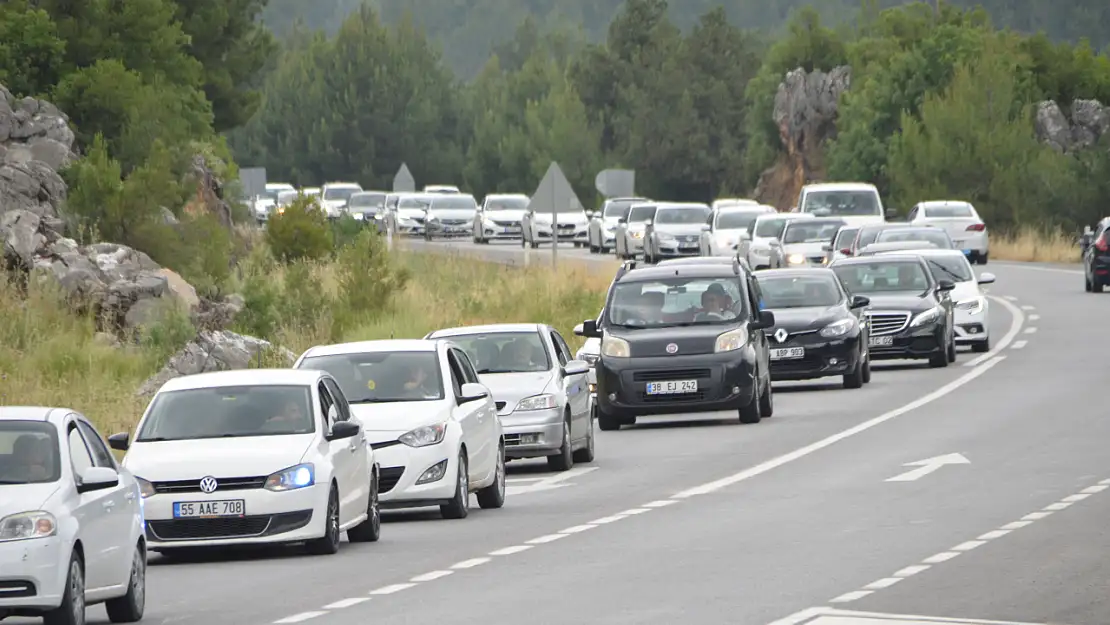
(1035, 245)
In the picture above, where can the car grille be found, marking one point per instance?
(512, 440)
(224, 483)
(671, 374)
(671, 399)
(566, 227)
(888, 322)
(790, 337)
(687, 238)
(818, 260)
(388, 478)
(201, 529)
(453, 222)
(505, 224)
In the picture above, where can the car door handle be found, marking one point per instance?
(130, 496)
(354, 447)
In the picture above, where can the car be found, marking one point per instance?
(368, 207)
(804, 242)
(911, 314)
(674, 231)
(762, 248)
(931, 234)
(436, 442)
(868, 233)
(820, 329)
(589, 353)
(840, 243)
(726, 226)
(537, 227)
(972, 307)
(1095, 246)
(71, 521)
(499, 217)
(335, 196)
(407, 213)
(252, 457)
(263, 204)
(682, 339)
(449, 215)
(441, 188)
(542, 392)
(601, 233)
(895, 246)
(733, 202)
(629, 233)
(962, 223)
(857, 203)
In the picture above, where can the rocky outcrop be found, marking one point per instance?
(1089, 121)
(215, 351)
(806, 108)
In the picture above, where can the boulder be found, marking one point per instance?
(214, 351)
(1089, 121)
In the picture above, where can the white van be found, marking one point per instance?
(857, 203)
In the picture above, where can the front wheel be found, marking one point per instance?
(72, 609)
(129, 608)
(459, 506)
(751, 413)
(370, 530)
(493, 496)
(586, 454)
(564, 459)
(981, 347)
(328, 544)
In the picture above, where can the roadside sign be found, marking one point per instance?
(616, 183)
(403, 182)
(253, 181)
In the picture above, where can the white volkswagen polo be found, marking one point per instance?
(433, 426)
(256, 456)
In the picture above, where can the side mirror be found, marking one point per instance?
(706, 227)
(766, 320)
(622, 220)
(826, 248)
(859, 301)
(576, 367)
(119, 441)
(472, 392)
(986, 278)
(943, 286)
(97, 478)
(590, 329)
(578, 330)
(343, 429)
(891, 213)
(648, 223)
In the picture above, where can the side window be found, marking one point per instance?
(456, 373)
(100, 454)
(78, 451)
(559, 353)
(562, 345)
(340, 400)
(466, 368)
(751, 228)
(325, 404)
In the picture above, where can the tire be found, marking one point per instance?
(533, 244)
(564, 459)
(72, 609)
(328, 544)
(951, 351)
(981, 347)
(459, 506)
(586, 454)
(767, 401)
(608, 423)
(493, 496)
(983, 258)
(855, 378)
(370, 530)
(523, 241)
(1096, 286)
(940, 360)
(1087, 283)
(867, 368)
(751, 413)
(129, 608)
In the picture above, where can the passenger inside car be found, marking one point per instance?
(31, 459)
(291, 418)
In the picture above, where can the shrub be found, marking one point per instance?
(301, 232)
(368, 279)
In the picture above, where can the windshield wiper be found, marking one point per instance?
(369, 400)
(483, 371)
(10, 482)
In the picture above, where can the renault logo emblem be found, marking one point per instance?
(781, 334)
(208, 484)
(672, 348)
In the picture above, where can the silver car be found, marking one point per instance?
(630, 232)
(762, 248)
(602, 233)
(805, 242)
(728, 226)
(542, 394)
(499, 217)
(449, 215)
(675, 231)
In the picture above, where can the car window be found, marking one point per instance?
(771, 228)
(949, 211)
(78, 452)
(100, 454)
(466, 368)
(562, 345)
(785, 291)
(842, 203)
(684, 215)
(809, 231)
(29, 453)
(954, 268)
(505, 352)
(336, 394)
(456, 372)
(736, 220)
(881, 276)
(560, 354)
(679, 300)
(378, 377)
(844, 238)
(229, 411)
(935, 236)
(325, 402)
(640, 214)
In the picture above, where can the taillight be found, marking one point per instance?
(977, 227)
(1102, 245)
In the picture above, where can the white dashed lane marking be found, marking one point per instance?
(346, 603)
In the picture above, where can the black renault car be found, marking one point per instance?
(682, 339)
(911, 313)
(820, 329)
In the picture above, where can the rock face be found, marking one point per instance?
(1090, 120)
(806, 108)
(214, 351)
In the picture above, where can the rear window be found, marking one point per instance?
(936, 236)
(958, 210)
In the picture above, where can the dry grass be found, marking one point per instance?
(1035, 245)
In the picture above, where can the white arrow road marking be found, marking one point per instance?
(927, 466)
(537, 484)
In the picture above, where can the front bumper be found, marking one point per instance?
(678, 249)
(725, 381)
(501, 230)
(400, 466)
(822, 357)
(971, 328)
(578, 234)
(409, 226)
(439, 229)
(33, 574)
(910, 344)
(533, 433)
(634, 244)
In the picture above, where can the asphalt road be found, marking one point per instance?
(791, 521)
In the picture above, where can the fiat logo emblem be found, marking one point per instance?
(781, 334)
(208, 485)
(672, 348)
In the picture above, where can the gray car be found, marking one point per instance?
(542, 394)
(674, 230)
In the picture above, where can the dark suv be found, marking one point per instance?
(681, 339)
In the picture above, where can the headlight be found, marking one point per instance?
(26, 525)
(795, 259)
(537, 402)
(838, 328)
(614, 347)
(973, 306)
(731, 340)
(146, 489)
(929, 316)
(358, 216)
(636, 235)
(294, 477)
(424, 436)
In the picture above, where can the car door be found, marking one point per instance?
(577, 388)
(477, 424)
(95, 513)
(759, 336)
(338, 453)
(125, 500)
(358, 453)
(485, 413)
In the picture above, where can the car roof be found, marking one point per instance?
(777, 215)
(796, 271)
(746, 208)
(487, 329)
(823, 220)
(361, 347)
(706, 270)
(697, 260)
(935, 203)
(29, 413)
(342, 184)
(681, 205)
(893, 257)
(490, 195)
(840, 186)
(244, 377)
(929, 251)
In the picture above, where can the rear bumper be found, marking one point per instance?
(823, 358)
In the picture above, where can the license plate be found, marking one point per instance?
(880, 341)
(453, 229)
(208, 509)
(783, 353)
(967, 252)
(672, 387)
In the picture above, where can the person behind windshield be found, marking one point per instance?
(31, 456)
(909, 279)
(419, 383)
(291, 418)
(516, 355)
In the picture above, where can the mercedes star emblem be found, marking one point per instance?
(208, 484)
(672, 348)
(781, 334)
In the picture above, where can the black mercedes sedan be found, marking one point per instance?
(911, 314)
(820, 329)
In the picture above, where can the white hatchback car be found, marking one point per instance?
(762, 248)
(433, 426)
(71, 521)
(962, 223)
(253, 457)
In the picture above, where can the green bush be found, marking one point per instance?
(367, 278)
(300, 232)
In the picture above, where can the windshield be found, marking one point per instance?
(640, 214)
(505, 352)
(771, 228)
(810, 231)
(676, 302)
(882, 276)
(842, 203)
(367, 200)
(935, 236)
(618, 209)
(507, 203)
(799, 291)
(954, 268)
(340, 193)
(29, 452)
(413, 202)
(455, 202)
(690, 215)
(376, 377)
(950, 210)
(229, 412)
(844, 237)
(736, 220)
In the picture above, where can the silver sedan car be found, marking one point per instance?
(542, 393)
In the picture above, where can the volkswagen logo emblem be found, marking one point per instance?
(781, 334)
(208, 484)
(672, 348)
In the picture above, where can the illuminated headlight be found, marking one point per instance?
(795, 259)
(636, 235)
(433, 473)
(614, 347)
(929, 316)
(358, 216)
(537, 402)
(146, 489)
(299, 476)
(973, 306)
(838, 328)
(424, 436)
(27, 525)
(731, 340)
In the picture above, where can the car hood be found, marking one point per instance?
(610, 222)
(15, 498)
(220, 457)
(576, 217)
(410, 213)
(809, 318)
(901, 300)
(592, 346)
(649, 342)
(505, 215)
(451, 213)
(679, 229)
(965, 291)
(513, 387)
(805, 249)
(386, 421)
